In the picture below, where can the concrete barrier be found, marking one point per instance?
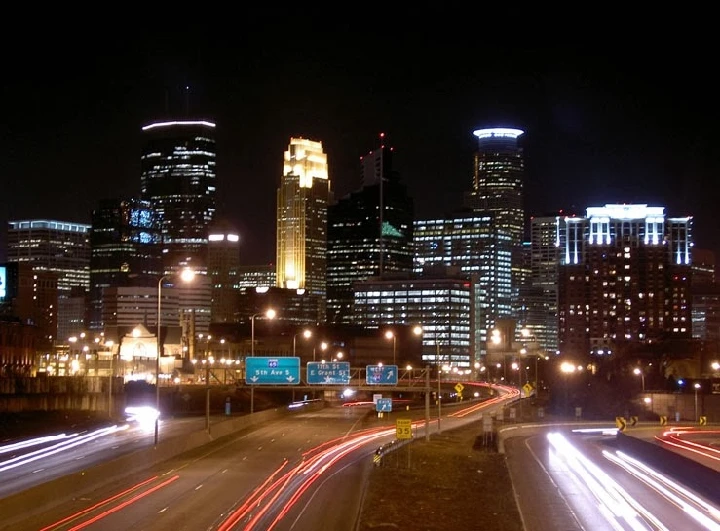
(17, 507)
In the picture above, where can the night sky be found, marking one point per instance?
(636, 126)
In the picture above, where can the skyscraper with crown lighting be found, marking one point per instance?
(178, 176)
(302, 205)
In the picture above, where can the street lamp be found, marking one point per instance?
(269, 314)
(639, 371)
(697, 388)
(390, 335)
(306, 334)
(109, 344)
(186, 276)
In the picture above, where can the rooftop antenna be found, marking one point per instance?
(187, 100)
(381, 243)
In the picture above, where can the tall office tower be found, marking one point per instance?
(499, 174)
(58, 247)
(370, 233)
(125, 242)
(474, 243)
(545, 243)
(302, 203)
(223, 270)
(624, 279)
(178, 177)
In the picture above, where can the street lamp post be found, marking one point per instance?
(110, 344)
(187, 275)
(639, 371)
(697, 388)
(306, 334)
(270, 314)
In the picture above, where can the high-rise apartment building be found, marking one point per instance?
(178, 176)
(125, 242)
(624, 278)
(497, 188)
(302, 204)
(370, 232)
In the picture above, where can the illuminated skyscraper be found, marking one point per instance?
(497, 189)
(302, 203)
(178, 177)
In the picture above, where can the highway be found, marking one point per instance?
(568, 479)
(304, 472)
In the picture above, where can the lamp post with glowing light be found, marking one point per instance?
(697, 388)
(305, 333)
(268, 314)
(639, 372)
(110, 344)
(187, 275)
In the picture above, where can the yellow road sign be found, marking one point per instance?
(703, 421)
(528, 388)
(633, 420)
(621, 423)
(403, 428)
(459, 387)
(663, 420)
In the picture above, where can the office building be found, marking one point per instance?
(473, 243)
(125, 243)
(302, 204)
(439, 301)
(178, 177)
(370, 232)
(497, 189)
(223, 271)
(61, 248)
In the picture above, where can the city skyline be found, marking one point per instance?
(598, 129)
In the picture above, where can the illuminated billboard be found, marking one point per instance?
(3, 282)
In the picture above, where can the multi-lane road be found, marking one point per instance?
(306, 471)
(566, 477)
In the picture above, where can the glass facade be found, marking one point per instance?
(442, 306)
(370, 233)
(125, 241)
(475, 245)
(178, 176)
